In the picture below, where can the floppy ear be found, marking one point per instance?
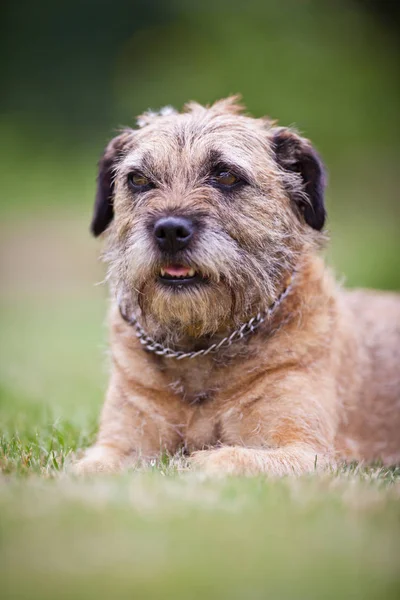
(103, 206)
(295, 154)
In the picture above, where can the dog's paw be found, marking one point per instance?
(221, 461)
(98, 459)
(237, 460)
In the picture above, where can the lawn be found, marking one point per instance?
(162, 532)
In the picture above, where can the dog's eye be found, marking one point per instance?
(226, 178)
(137, 180)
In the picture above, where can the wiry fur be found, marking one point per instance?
(299, 388)
(245, 252)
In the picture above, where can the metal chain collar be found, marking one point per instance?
(249, 327)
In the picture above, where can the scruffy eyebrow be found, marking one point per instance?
(216, 158)
(143, 163)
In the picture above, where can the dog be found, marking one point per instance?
(230, 339)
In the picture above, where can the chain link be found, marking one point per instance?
(244, 330)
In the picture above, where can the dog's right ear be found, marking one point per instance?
(103, 207)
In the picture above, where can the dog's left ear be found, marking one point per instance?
(103, 207)
(295, 154)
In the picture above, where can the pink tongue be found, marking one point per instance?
(176, 271)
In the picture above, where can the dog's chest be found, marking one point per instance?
(208, 399)
(193, 384)
(197, 388)
(194, 389)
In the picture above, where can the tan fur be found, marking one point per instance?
(317, 383)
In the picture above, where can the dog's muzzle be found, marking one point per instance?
(173, 233)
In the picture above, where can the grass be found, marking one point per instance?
(164, 531)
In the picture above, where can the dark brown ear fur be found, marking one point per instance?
(296, 155)
(103, 206)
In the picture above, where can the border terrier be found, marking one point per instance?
(230, 338)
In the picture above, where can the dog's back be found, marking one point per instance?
(371, 423)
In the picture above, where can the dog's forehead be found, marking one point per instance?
(192, 138)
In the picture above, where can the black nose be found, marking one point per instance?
(173, 233)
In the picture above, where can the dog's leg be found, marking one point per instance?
(294, 459)
(100, 459)
(132, 429)
(290, 432)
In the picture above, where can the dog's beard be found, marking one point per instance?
(237, 284)
(194, 312)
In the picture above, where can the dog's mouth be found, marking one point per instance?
(180, 276)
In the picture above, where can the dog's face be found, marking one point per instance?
(206, 214)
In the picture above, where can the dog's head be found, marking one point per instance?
(206, 211)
